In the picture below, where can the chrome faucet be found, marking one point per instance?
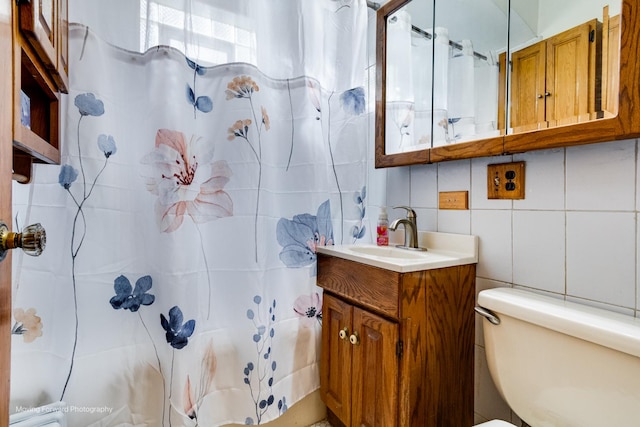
(410, 228)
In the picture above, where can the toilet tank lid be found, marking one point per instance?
(610, 329)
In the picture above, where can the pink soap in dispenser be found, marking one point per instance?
(383, 228)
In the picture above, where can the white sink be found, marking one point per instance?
(441, 250)
(388, 251)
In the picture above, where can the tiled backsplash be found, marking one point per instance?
(574, 235)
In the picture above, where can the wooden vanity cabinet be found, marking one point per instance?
(397, 348)
(555, 81)
(40, 63)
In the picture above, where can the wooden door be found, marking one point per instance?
(375, 371)
(528, 88)
(335, 361)
(567, 85)
(6, 147)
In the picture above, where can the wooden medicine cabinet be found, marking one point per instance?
(538, 107)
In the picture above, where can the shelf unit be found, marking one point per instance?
(40, 51)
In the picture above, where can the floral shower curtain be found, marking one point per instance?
(178, 285)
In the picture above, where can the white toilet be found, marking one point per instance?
(561, 364)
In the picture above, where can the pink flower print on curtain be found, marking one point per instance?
(184, 184)
(27, 324)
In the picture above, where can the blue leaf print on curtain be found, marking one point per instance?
(353, 103)
(129, 298)
(300, 236)
(177, 333)
(357, 231)
(353, 100)
(177, 336)
(202, 103)
(261, 372)
(88, 105)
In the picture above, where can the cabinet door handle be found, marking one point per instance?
(540, 96)
(547, 94)
(344, 333)
(354, 339)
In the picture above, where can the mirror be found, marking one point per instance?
(442, 72)
(564, 62)
(501, 123)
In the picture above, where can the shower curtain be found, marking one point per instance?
(178, 284)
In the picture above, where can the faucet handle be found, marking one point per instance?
(411, 214)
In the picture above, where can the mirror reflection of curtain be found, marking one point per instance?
(471, 107)
(441, 78)
(199, 175)
(461, 93)
(486, 97)
(399, 85)
(422, 52)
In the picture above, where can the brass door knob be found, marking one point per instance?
(32, 240)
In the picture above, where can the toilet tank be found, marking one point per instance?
(558, 363)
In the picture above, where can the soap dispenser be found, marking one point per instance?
(383, 228)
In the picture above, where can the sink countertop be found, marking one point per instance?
(443, 250)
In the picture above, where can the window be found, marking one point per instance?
(210, 35)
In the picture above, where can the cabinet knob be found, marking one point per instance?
(540, 96)
(547, 94)
(354, 339)
(344, 333)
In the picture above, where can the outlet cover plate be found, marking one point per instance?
(505, 181)
(453, 200)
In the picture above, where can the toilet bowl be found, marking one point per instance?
(559, 363)
(495, 423)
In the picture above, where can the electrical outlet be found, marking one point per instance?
(505, 181)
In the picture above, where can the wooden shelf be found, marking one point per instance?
(40, 139)
(40, 75)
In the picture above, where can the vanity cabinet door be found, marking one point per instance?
(359, 365)
(335, 360)
(375, 371)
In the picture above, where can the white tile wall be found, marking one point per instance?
(575, 234)
(601, 258)
(539, 250)
(602, 177)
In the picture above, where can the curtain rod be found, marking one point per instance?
(430, 36)
(373, 5)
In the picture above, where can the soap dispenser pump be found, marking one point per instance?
(383, 228)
